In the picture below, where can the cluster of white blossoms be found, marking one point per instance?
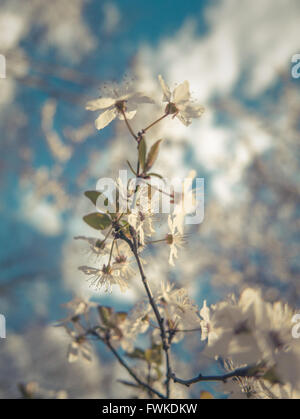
(247, 334)
(113, 261)
(115, 264)
(122, 101)
(256, 333)
(250, 337)
(179, 102)
(113, 267)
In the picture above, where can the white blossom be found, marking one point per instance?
(120, 99)
(105, 277)
(179, 102)
(174, 239)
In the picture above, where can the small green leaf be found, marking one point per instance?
(272, 376)
(97, 220)
(152, 155)
(142, 153)
(131, 168)
(136, 354)
(158, 372)
(154, 355)
(92, 195)
(105, 314)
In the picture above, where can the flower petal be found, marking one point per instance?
(129, 115)
(140, 97)
(192, 110)
(105, 118)
(182, 93)
(165, 89)
(182, 118)
(101, 103)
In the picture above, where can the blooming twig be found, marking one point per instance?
(239, 372)
(106, 341)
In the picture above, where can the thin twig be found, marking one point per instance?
(128, 125)
(107, 342)
(175, 330)
(240, 372)
(159, 319)
(134, 248)
(152, 124)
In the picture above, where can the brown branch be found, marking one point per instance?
(121, 361)
(240, 372)
(160, 320)
(151, 125)
(128, 125)
(133, 246)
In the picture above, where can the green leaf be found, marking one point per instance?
(97, 220)
(158, 372)
(142, 153)
(105, 314)
(154, 355)
(272, 376)
(92, 195)
(131, 168)
(152, 155)
(136, 354)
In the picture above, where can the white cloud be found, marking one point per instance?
(11, 29)
(42, 215)
(244, 47)
(112, 17)
(242, 37)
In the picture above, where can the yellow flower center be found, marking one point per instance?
(120, 105)
(171, 108)
(169, 239)
(106, 269)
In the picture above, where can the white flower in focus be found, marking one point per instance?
(105, 277)
(120, 99)
(179, 102)
(174, 239)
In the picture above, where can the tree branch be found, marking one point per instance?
(160, 320)
(107, 342)
(239, 372)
